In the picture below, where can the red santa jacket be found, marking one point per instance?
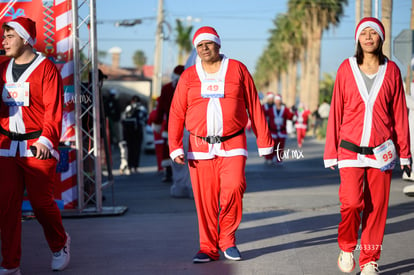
(366, 118)
(43, 113)
(302, 117)
(277, 120)
(217, 116)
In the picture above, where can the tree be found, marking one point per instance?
(139, 59)
(183, 41)
(318, 15)
(386, 21)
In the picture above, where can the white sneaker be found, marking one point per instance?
(370, 268)
(346, 262)
(409, 190)
(13, 271)
(60, 259)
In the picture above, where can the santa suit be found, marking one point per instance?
(368, 119)
(301, 124)
(266, 109)
(18, 167)
(277, 125)
(217, 170)
(158, 139)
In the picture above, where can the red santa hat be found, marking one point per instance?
(278, 97)
(206, 33)
(270, 95)
(24, 27)
(371, 22)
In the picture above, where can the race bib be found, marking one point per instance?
(386, 155)
(16, 94)
(211, 88)
(279, 121)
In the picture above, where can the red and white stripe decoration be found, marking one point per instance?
(54, 39)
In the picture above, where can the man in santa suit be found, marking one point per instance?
(279, 114)
(214, 99)
(367, 131)
(301, 123)
(30, 129)
(162, 116)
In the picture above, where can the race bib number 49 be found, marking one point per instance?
(16, 94)
(211, 88)
(386, 155)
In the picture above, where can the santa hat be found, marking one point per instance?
(24, 27)
(371, 22)
(278, 97)
(270, 95)
(206, 33)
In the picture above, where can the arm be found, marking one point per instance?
(178, 111)
(334, 124)
(52, 91)
(257, 117)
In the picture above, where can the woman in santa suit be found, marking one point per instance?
(268, 111)
(214, 99)
(367, 131)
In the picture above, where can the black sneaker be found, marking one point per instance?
(201, 258)
(232, 253)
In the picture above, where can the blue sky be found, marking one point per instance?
(243, 26)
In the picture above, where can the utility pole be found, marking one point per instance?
(157, 76)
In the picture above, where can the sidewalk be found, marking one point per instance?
(289, 225)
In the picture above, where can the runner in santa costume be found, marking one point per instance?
(267, 108)
(278, 116)
(162, 114)
(211, 100)
(30, 115)
(301, 123)
(367, 131)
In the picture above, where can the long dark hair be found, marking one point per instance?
(359, 54)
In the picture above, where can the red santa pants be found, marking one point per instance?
(218, 187)
(300, 134)
(363, 189)
(39, 177)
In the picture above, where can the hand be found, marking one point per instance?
(42, 152)
(332, 167)
(180, 159)
(406, 169)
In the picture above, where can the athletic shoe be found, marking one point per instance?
(12, 271)
(201, 258)
(370, 268)
(60, 259)
(346, 262)
(232, 253)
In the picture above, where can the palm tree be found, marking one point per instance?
(357, 11)
(139, 59)
(367, 12)
(317, 16)
(183, 41)
(386, 21)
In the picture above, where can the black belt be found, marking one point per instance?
(363, 150)
(20, 137)
(218, 139)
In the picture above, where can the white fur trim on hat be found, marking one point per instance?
(370, 24)
(206, 36)
(21, 32)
